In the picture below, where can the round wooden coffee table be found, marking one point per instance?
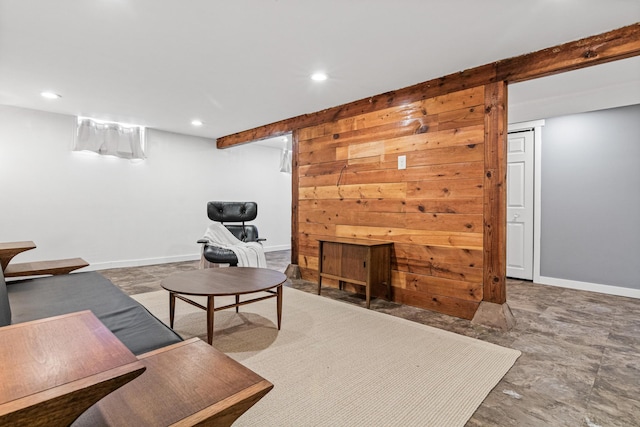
(226, 281)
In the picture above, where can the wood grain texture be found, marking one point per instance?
(10, 249)
(433, 211)
(53, 369)
(421, 254)
(495, 194)
(430, 89)
(443, 286)
(223, 281)
(295, 188)
(185, 384)
(606, 47)
(458, 307)
(35, 268)
(455, 151)
(417, 237)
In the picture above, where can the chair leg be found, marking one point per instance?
(237, 302)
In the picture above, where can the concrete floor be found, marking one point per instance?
(580, 363)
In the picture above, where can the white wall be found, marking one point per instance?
(113, 212)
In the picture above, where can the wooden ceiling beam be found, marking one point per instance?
(610, 46)
(451, 83)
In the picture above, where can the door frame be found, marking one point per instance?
(536, 126)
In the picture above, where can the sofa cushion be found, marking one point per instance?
(43, 297)
(5, 308)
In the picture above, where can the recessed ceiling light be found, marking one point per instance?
(197, 122)
(50, 95)
(319, 77)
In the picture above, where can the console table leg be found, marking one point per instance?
(210, 307)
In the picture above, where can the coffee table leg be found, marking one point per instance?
(210, 307)
(172, 307)
(279, 304)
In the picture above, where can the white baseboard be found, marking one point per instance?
(592, 287)
(162, 260)
(277, 248)
(140, 262)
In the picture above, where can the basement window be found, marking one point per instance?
(110, 138)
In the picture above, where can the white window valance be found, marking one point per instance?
(109, 138)
(285, 160)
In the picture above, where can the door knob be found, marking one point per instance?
(516, 216)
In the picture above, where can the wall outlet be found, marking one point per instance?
(402, 162)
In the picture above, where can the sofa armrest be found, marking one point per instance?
(37, 268)
(10, 249)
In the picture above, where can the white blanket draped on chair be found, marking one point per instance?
(249, 254)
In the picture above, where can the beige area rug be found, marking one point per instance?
(334, 364)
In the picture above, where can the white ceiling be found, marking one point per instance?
(240, 64)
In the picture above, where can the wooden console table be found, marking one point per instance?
(358, 261)
(53, 369)
(185, 384)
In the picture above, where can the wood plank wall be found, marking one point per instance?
(349, 186)
(347, 182)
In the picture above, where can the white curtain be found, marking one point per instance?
(285, 161)
(110, 139)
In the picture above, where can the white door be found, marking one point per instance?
(520, 205)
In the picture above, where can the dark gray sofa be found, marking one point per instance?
(37, 298)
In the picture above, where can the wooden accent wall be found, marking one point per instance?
(446, 212)
(349, 186)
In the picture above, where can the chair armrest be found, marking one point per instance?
(261, 240)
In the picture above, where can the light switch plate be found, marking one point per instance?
(402, 162)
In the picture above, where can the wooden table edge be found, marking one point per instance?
(228, 410)
(125, 373)
(226, 294)
(168, 348)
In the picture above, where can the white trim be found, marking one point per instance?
(536, 125)
(140, 262)
(537, 199)
(525, 125)
(591, 287)
(277, 248)
(162, 260)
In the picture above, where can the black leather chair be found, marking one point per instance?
(237, 212)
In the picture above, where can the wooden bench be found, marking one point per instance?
(36, 268)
